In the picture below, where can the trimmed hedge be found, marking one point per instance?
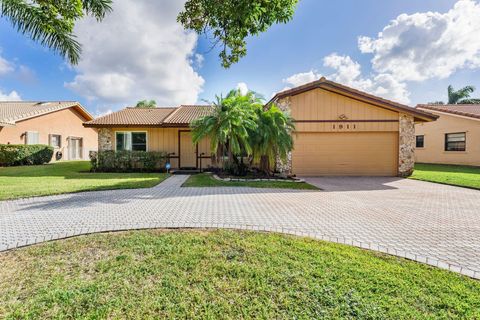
(24, 155)
(128, 161)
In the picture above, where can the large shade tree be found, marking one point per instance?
(230, 22)
(227, 22)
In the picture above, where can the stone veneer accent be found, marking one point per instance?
(284, 167)
(406, 145)
(105, 139)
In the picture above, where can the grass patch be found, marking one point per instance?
(224, 274)
(206, 180)
(463, 176)
(68, 176)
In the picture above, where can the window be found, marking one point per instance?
(31, 137)
(55, 140)
(420, 140)
(136, 141)
(455, 141)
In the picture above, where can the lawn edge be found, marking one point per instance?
(370, 247)
(445, 183)
(80, 191)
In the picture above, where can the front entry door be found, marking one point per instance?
(188, 155)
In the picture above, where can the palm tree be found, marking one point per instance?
(146, 104)
(461, 96)
(51, 22)
(228, 126)
(272, 138)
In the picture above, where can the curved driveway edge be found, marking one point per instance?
(430, 223)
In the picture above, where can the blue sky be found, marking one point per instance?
(434, 44)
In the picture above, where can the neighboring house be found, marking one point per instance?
(340, 131)
(453, 139)
(54, 123)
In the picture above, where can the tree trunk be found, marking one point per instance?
(265, 165)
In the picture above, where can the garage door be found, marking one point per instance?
(356, 154)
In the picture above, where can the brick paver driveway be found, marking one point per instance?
(430, 223)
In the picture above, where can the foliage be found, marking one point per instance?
(67, 176)
(462, 176)
(229, 125)
(243, 127)
(272, 137)
(159, 274)
(146, 104)
(128, 161)
(206, 180)
(51, 22)
(231, 21)
(20, 154)
(461, 96)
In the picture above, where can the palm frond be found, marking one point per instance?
(51, 23)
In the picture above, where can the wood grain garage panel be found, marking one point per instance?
(349, 154)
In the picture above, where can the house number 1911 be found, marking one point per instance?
(345, 126)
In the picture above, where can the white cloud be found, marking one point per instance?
(101, 113)
(301, 78)
(5, 66)
(349, 72)
(242, 86)
(138, 52)
(12, 96)
(427, 45)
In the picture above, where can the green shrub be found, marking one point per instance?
(20, 154)
(127, 161)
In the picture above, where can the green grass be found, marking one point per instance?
(206, 180)
(463, 176)
(223, 275)
(64, 177)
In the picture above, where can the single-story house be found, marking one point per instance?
(55, 123)
(155, 129)
(453, 139)
(339, 131)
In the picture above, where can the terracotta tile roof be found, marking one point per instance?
(466, 110)
(132, 117)
(185, 114)
(339, 88)
(13, 111)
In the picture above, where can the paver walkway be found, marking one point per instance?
(426, 222)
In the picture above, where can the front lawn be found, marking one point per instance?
(206, 180)
(223, 275)
(463, 176)
(64, 177)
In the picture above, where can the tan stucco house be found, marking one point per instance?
(339, 131)
(453, 139)
(55, 123)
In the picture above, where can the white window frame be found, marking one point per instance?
(134, 131)
(50, 136)
(26, 137)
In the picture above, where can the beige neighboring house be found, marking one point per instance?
(339, 131)
(453, 139)
(55, 123)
